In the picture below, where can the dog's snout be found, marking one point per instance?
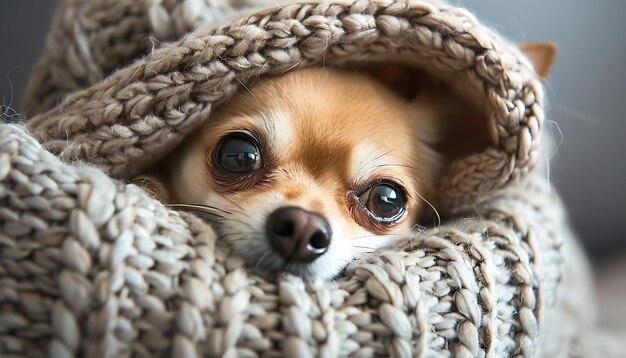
(298, 235)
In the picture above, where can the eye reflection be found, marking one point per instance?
(384, 201)
(239, 153)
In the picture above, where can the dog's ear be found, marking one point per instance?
(457, 127)
(541, 55)
(402, 79)
(152, 186)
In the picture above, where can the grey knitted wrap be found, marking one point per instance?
(90, 265)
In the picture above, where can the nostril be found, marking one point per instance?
(319, 240)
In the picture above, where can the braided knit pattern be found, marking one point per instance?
(125, 122)
(90, 39)
(93, 267)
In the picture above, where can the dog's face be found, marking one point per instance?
(310, 169)
(304, 172)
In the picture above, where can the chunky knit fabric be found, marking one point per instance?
(90, 265)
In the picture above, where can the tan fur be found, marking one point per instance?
(326, 135)
(541, 55)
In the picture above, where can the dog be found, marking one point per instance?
(303, 172)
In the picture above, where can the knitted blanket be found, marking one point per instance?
(92, 266)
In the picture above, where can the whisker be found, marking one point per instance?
(420, 196)
(433, 208)
(480, 216)
(374, 235)
(249, 91)
(365, 247)
(234, 203)
(384, 154)
(243, 84)
(397, 165)
(288, 69)
(203, 208)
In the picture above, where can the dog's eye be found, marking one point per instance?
(239, 153)
(384, 201)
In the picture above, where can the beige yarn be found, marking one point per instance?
(133, 117)
(92, 266)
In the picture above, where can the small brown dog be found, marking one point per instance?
(305, 172)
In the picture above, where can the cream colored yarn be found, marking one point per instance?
(92, 266)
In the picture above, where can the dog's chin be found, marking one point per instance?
(308, 272)
(263, 261)
(272, 266)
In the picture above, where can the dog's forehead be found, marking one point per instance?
(322, 114)
(352, 152)
(331, 123)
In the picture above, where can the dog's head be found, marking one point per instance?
(304, 172)
(308, 170)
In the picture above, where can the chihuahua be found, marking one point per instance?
(306, 171)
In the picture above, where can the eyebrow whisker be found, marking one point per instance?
(397, 165)
(383, 154)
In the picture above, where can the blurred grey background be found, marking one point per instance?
(586, 91)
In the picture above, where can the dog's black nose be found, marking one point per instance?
(298, 235)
